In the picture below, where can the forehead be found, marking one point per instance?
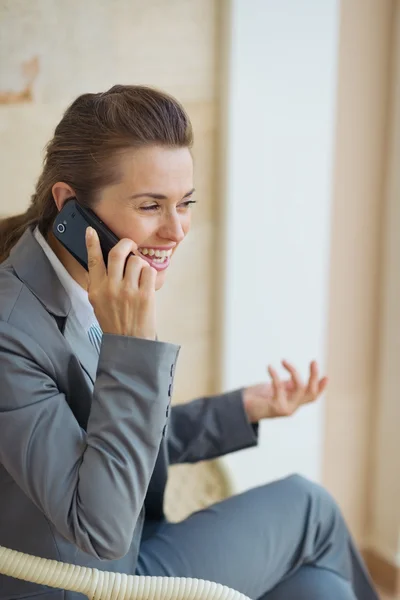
(156, 169)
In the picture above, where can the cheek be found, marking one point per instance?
(117, 219)
(186, 223)
(133, 228)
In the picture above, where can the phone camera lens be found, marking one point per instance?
(60, 228)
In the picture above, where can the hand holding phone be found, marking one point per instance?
(121, 285)
(123, 294)
(70, 226)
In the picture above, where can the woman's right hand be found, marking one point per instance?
(123, 302)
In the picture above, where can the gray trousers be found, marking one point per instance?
(283, 541)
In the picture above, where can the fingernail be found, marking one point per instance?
(89, 232)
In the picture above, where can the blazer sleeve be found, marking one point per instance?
(90, 485)
(209, 427)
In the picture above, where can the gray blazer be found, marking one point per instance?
(85, 440)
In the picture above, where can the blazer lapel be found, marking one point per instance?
(34, 269)
(81, 346)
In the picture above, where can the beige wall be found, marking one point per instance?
(384, 531)
(50, 53)
(358, 201)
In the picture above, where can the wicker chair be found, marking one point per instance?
(203, 484)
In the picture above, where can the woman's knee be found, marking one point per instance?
(297, 484)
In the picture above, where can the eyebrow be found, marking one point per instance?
(157, 196)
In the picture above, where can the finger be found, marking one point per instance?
(148, 277)
(312, 387)
(322, 385)
(134, 267)
(296, 379)
(117, 260)
(276, 382)
(96, 266)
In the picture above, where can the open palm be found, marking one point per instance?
(281, 398)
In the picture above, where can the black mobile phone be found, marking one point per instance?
(70, 230)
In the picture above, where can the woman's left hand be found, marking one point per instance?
(281, 398)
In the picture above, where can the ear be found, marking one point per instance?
(61, 193)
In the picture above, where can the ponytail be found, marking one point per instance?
(12, 228)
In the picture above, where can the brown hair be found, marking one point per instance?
(86, 142)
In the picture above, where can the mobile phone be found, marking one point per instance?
(70, 230)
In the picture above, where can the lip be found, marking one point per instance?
(156, 265)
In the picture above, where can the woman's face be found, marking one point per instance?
(151, 204)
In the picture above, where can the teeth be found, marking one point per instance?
(162, 254)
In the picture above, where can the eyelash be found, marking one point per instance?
(155, 206)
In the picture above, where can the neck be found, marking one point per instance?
(76, 271)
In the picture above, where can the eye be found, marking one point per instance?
(187, 204)
(151, 207)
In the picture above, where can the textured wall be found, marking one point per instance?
(50, 52)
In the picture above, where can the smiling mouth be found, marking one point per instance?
(159, 259)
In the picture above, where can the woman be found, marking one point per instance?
(87, 431)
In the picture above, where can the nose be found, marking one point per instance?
(171, 228)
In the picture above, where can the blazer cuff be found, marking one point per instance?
(238, 429)
(134, 353)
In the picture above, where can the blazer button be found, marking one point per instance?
(164, 430)
(170, 390)
(172, 370)
(167, 411)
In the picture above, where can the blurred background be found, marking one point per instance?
(295, 246)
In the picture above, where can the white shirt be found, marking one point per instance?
(78, 296)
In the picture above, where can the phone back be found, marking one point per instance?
(70, 230)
